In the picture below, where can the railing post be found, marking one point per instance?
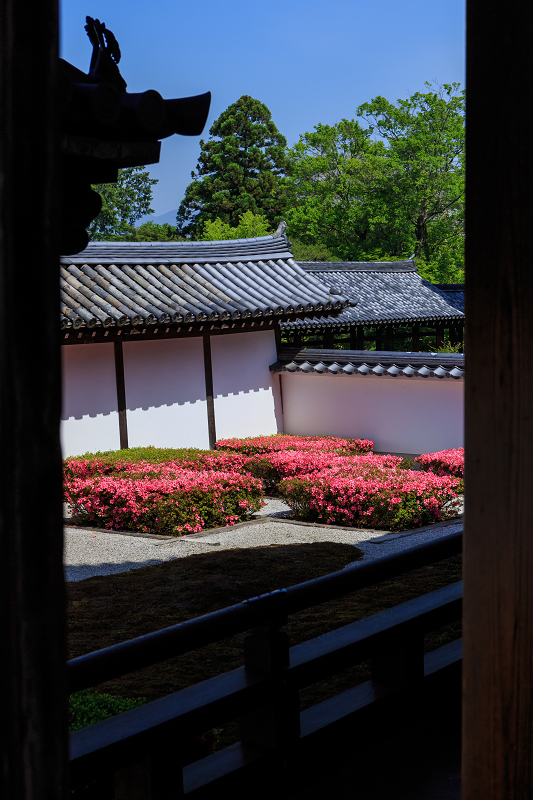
(399, 660)
(158, 777)
(266, 653)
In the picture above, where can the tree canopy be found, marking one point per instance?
(389, 189)
(249, 225)
(241, 168)
(123, 203)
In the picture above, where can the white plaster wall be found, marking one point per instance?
(165, 393)
(401, 415)
(246, 393)
(89, 418)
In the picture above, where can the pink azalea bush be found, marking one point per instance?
(325, 479)
(444, 462)
(168, 501)
(256, 445)
(273, 467)
(377, 497)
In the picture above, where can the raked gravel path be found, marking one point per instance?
(91, 552)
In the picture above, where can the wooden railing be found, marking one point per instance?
(136, 754)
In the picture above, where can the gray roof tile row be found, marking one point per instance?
(382, 293)
(122, 283)
(366, 362)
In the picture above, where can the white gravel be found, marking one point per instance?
(91, 552)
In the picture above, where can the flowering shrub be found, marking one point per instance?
(270, 444)
(272, 467)
(374, 497)
(326, 479)
(444, 462)
(168, 501)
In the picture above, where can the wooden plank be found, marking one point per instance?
(210, 400)
(121, 395)
(498, 623)
(33, 720)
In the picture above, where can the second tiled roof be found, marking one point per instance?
(383, 292)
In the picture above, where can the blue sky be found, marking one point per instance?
(309, 62)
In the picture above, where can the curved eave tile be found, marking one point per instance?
(377, 370)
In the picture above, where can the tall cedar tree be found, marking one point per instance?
(241, 168)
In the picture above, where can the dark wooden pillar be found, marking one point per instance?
(357, 337)
(329, 339)
(379, 337)
(33, 720)
(389, 337)
(498, 564)
(121, 395)
(210, 400)
(277, 334)
(454, 334)
(415, 346)
(439, 335)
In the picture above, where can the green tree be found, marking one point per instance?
(333, 177)
(123, 203)
(154, 232)
(241, 168)
(249, 225)
(393, 188)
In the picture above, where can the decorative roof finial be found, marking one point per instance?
(105, 55)
(282, 227)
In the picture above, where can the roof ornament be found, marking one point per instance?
(106, 55)
(105, 128)
(280, 230)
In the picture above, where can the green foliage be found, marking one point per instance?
(87, 707)
(388, 190)
(152, 232)
(314, 251)
(134, 455)
(241, 168)
(448, 347)
(123, 203)
(250, 225)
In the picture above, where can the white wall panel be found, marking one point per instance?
(246, 392)
(402, 415)
(89, 418)
(165, 393)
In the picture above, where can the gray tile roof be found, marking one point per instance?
(122, 283)
(383, 292)
(369, 362)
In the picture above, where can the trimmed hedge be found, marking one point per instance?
(388, 498)
(445, 462)
(256, 445)
(165, 500)
(325, 479)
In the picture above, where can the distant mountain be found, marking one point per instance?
(169, 217)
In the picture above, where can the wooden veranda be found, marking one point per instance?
(498, 545)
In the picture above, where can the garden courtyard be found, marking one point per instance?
(147, 546)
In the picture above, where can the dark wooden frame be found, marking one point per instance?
(498, 624)
(33, 699)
